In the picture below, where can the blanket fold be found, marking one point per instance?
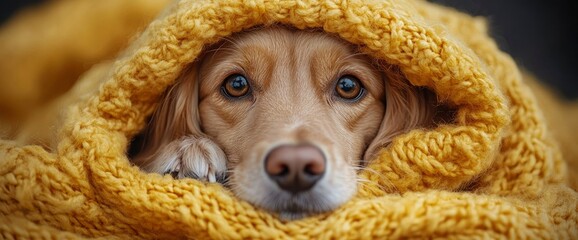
(495, 171)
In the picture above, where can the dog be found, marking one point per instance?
(284, 117)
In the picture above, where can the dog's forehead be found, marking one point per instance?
(280, 40)
(270, 53)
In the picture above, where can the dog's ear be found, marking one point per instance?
(407, 107)
(177, 115)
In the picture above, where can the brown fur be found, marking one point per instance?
(292, 76)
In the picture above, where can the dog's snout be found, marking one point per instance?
(295, 168)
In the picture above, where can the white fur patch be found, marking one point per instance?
(193, 157)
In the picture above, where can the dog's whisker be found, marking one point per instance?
(233, 42)
(220, 49)
(197, 128)
(347, 57)
(385, 188)
(389, 187)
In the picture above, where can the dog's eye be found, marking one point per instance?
(236, 86)
(348, 87)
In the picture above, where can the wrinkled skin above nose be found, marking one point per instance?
(295, 168)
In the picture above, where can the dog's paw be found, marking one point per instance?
(195, 157)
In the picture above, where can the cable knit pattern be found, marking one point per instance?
(494, 172)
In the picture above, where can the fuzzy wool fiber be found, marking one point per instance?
(500, 169)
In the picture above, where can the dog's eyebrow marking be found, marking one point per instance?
(322, 62)
(257, 62)
(249, 56)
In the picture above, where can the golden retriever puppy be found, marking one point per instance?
(283, 117)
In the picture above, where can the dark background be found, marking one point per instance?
(541, 35)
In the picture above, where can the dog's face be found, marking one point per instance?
(289, 116)
(294, 113)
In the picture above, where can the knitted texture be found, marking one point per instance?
(45, 49)
(494, 172)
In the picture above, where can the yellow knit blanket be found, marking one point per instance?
(494, 172)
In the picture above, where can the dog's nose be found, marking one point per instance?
(295, 168)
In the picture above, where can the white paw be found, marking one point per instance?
(194, 157)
